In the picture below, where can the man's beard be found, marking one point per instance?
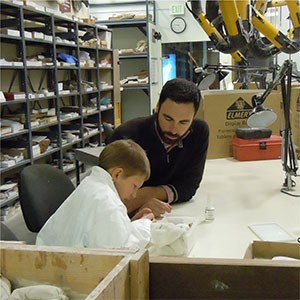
(164, 136)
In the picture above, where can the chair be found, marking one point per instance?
(42, 189)
(108, 131)
(6, 234)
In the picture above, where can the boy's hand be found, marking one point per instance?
(157, 207)
(145, 213)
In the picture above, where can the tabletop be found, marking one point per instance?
(243, 194)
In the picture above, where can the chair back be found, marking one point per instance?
(6, 234)
(42, 189)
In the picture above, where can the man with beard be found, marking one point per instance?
(176, 144)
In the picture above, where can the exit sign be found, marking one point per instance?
(177, 9)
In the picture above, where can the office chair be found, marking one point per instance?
(6, 234)
(42, 189)
(108, 131)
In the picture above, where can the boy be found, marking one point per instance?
(94, 215)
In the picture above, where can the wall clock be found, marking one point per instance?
(178, 25)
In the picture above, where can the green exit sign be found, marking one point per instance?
(177, 9)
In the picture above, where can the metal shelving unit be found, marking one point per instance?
(28, 76)
(137, 98)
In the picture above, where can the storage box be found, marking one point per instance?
(268, 250)
(225, 111)
(198, 278)
(257, 149)
(82, 273)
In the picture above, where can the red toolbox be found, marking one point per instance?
(257, 149)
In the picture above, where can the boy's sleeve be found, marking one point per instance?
(140, 234)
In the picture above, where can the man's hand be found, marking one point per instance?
(154, 198)
(157, 207)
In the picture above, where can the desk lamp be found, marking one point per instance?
(210, 72)
(263, 117)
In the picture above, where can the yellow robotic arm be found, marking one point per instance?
(283, 42)
(221, 42)
(235, 27)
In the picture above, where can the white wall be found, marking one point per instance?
(193, 31)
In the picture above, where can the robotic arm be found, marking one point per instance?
(212, 29)
(233, 30)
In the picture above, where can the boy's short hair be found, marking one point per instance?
(127, 155)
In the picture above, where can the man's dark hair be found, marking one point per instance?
(181, 91)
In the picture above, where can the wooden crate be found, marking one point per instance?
(197, 278)
(83, 274)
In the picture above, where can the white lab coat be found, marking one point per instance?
(94, 216)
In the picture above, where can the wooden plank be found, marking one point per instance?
(186, 278)
(77, 271)
(139, 275)
(116, 285)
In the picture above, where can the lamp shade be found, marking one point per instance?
(207, 81)
(261, 117)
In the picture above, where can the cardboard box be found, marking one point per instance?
(82, 273)
(225, 111)
(199, 278)
(268, 250)
(257, 149)
(295, 114)
(250, 85)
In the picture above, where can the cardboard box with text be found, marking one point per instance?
(225, 111)
(295, 115)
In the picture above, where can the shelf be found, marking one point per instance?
(127, 33)
(48, 152)
(106, 109)
(18, 164)
(67, 68)
(64, 121)
(133, 56)
(40, 67)
(91, 114)
(14, 102)
(37, 128)
(37, 41)
(9, 201)
(105, 49)
(124, 23)
(18, 21)
(91, 135)
(15, 134)
(12, 67)
(135, 87)
(10, 38)
(41, 98)
(58, 44)
(64, 146)
(90, 92)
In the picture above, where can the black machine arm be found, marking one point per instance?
(289, 157)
